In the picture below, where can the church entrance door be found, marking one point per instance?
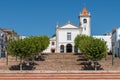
(69, 48)
(62, 48)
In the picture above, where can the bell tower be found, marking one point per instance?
(84, 18)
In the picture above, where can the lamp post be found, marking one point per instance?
(0, 46)
(5, 46)
(112, 59)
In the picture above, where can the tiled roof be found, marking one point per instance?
(85, 12)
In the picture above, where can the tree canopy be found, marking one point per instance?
(94, 49)
(28, 47)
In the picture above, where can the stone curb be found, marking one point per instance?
(49, 71)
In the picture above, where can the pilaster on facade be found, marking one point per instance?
(73, 49)
(65, 49)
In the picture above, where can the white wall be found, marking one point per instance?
(107, 39)
(22, 37)
(63, 35)
(118, 34)
(48, 50)
(85, 25)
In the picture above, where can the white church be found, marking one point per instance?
(63, 42)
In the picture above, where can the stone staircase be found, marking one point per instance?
(58, 66)
(2, 61)
(59, 61)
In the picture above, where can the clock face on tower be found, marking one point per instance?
(84, 20)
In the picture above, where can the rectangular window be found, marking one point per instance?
(69, 36)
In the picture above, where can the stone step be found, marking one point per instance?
(57, 61)
(61, 56)
(61, 59)
(61, 76)
(59, 64)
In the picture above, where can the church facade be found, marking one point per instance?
(63, 42)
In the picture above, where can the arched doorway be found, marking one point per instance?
(52, 50)
(62, 48)
(68, 48)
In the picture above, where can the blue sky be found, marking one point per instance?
(39, 17)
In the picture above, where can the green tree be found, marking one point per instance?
(94, 49)
(27, 48)
(18, 48)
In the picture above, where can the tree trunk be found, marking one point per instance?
(28, 64)
(21, 64)
(33, 59)
(106, 56)
(16, 58)
(95, 67)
